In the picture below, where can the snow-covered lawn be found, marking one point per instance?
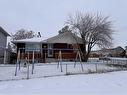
(114, 83)
(7, 72)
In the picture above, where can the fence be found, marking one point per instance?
(56, 69)
(76, 67)
(28, 68)
(115, 61)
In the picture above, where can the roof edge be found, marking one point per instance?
(3, 31)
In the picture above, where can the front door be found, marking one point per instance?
(50, 50)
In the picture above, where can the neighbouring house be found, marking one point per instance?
(126, 51)
(3, 43)
(114, 52)
(47, 50)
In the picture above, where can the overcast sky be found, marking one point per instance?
(49, 16)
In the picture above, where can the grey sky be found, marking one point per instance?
(49, 16)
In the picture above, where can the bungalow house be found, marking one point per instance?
(47, 50)
(3, 42)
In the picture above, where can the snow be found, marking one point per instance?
(60, 38)
(116, 58)
(49, 80)
(114, 83)
(31, 40)
(7, 72)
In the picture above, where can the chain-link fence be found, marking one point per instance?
(67, 62)
(7, 72)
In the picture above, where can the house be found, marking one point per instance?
(3, 42)
(47, 50)
(126, 51)
(113, 52)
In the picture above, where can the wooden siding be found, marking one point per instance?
(3, 42)
(66, 55)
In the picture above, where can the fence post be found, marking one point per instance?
(61, 66)
(60, 61)
(96, 67)
(58, 64)
(19, 58)
(28, 66)
(66, 69)
(27, 70)
(5, 55)
(17, 62)
(45, 56)
(33, 63)
(16, 68)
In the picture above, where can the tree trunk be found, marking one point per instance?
(84, 59)
(85, 56)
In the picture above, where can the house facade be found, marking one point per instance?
(48, 50)
(3, 42)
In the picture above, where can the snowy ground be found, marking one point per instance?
(7, 72)
(49, 80)
(114, 83)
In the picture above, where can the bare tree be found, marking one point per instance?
(93, 29)
(22, 34)
(65, 29)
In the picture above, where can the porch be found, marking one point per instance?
(46, 52)
(43, 56)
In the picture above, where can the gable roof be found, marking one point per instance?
(66, 37)
(3, 31)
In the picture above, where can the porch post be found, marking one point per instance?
(19, 58)
(5, 55)
(28, 63)
(44, 54)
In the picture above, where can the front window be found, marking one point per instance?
(33, 46)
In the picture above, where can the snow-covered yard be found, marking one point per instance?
(48, 79)
(114, 83)
(7, 72)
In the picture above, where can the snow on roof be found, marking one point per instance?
(66, 37)
(31, 40)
